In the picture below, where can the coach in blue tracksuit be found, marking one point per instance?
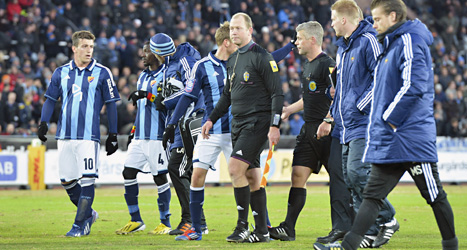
(356, 61)
(402, 130)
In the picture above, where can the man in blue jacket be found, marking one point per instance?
(401, 134)
(356, 61)
(177, 63)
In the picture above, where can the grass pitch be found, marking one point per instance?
(40, 219)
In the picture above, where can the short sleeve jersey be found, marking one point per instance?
(315, 80)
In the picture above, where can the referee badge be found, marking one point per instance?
(312, 86)
(246, 76)
(273, 66)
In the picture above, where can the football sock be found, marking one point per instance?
(242, 198)
(164, 203)
(296, 202)
(131, 198)
(85, 201)
(73, 190)
(258, 209)
(196, 204)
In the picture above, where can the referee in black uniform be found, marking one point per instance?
(254, 93)
(310, 152)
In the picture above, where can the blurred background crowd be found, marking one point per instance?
(35, 38)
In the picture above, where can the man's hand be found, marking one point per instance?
(159, 105)
(205, 129)
(274, 135)
(285, 113)
(42, 131)
(323, 130)
(111, 145)
(169, 135)
(136, 95)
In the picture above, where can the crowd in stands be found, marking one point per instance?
(35, 38)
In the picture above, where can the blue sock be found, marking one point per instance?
(164, 203)
(131, 198)
(85, 201)
(73, 190)
(196, 205)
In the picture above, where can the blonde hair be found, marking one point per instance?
(312, 29)
(246, 17)
(222, 33)
(349, 9)
(83, 34)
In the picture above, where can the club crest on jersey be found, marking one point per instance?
(153, 82)
(90, 79)
(189, 85)
(312, 86)
(246, 76)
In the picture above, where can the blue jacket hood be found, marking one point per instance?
(185, 49)
(413, 27)
(364, 26)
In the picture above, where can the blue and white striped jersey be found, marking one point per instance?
(83, 94)
(209, 75)
(150, 123)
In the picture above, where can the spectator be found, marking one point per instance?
(295, 122)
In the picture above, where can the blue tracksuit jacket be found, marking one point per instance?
(403, 95)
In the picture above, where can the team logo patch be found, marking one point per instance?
(189, 85)
(386, 60)
(90, 79)
(274, 66)
(246, 76)
(352, 58)
(331, 69)
(312, 86)
(153, 82)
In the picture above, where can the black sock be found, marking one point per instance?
(452, 244)
(258, 209)
(297, 199)
(242, 198)
(445, 218)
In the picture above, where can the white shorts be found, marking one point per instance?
(148, 156)
(207, 151)
(77, 159)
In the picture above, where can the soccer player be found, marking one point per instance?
(253, 92)
(401, 134)
(357, 45)
(145, 151)
(84, 86)
(177, 63)
(207, 77)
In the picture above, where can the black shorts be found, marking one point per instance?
(309, 151)
(249, 136)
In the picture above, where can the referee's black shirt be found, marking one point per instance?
(315, 80)
(252, 86)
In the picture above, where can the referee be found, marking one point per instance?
(254, 93)
(311, 153)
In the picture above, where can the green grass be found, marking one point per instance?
(39, 219)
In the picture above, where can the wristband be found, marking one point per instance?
(151, 97)
(276, 120)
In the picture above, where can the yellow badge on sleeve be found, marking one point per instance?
(331, 69)
(274, 66)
